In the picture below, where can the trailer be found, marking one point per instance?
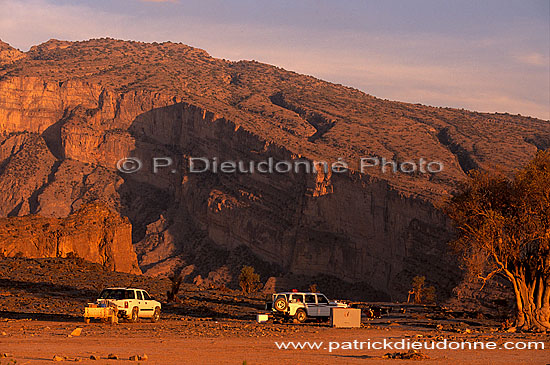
(106, 313)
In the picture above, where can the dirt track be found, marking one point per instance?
(232, 342)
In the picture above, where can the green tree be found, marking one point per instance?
(422, 294)
(504, 229)
(249, 281)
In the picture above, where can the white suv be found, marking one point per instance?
(131, 303)
(301, 305)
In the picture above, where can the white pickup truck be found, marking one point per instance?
(126, 303)
(302, 305)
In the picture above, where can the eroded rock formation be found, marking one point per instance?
(94, 233)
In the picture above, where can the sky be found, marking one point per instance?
(483, 55)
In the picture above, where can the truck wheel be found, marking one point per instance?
(280, 305)
(300, 315)
(156, 315)
(135, 315)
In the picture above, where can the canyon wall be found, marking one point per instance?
(347, 225)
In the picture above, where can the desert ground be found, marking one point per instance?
(42, 301)
(224, 341)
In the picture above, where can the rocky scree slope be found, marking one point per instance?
(70, 110)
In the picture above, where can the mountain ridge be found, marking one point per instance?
(85, 105)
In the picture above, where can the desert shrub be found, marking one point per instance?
(249, 281)
(172, 294)
(422, 294)
(430, 295)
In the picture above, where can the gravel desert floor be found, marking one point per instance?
(42, 302)
(197, 341)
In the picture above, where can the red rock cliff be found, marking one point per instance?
(94, 233)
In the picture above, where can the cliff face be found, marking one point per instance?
(70, 111)
(350, 226)
(93, 233)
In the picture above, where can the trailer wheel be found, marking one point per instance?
(113, 319)
(135, 315)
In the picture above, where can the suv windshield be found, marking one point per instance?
(116, 294)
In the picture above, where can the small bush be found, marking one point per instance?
(172, 294)
(422, 294)
(249, 281)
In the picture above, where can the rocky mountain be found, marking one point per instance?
(93, 232)
(8, 54)
(69, 111)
